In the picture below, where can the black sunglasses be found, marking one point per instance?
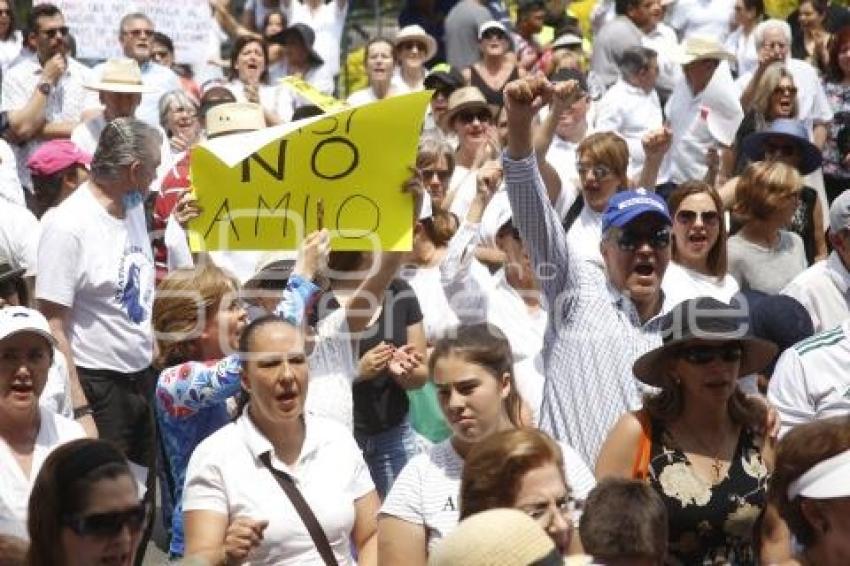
(707, 217)
(469, 116)
(629, 241)
(106, 525)
(61, 30)
(444, 175)
(702, 355)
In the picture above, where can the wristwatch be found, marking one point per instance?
(45, 88)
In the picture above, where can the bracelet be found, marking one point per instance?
(82, 411)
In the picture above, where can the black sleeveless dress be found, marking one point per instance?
(709, 524)
(493, 97)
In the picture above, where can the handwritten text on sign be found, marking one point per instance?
(94, 24)
(354, 162)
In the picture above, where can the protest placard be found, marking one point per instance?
(94, 24)
(263, 190)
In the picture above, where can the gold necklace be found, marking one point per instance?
(716, 465)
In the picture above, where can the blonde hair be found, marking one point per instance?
(773, 75)
(763, 186)
(606, 148)
(184, 301)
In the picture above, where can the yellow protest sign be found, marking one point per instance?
(263, 190)
(324, 101)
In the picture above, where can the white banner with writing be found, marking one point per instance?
(94, 25)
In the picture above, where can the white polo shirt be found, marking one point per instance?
(811, 380)
(824, 290)
(631, 112)
(225, 475)
(16, 487)
(711, 18)
(428, 489)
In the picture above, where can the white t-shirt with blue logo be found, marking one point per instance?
(101, 267)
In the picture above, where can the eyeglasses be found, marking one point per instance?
(629, 240)
(785, 150)
(469, 116)
(442, 174)
(139, 32)
(419, 45)
(703, 355)
(707, 217)
(53, 32)
(785, 90)
(183, 110)
(491, 33)
(106, 525)
(599, 171)
(445, 92)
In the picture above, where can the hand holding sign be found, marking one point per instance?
(353, 161)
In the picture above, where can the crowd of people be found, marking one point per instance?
(621, 334)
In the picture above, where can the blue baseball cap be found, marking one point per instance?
(625, 206)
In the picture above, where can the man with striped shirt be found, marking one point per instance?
(599, 322)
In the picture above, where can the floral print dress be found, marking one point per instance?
(709, 524)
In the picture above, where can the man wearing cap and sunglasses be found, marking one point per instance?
(599, 323)
(48, 88)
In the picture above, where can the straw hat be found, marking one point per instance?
(120, 75)
(415, 32)
(463, 98)
(703, 318)
(498, 537)
(697, 47)
(234, 117)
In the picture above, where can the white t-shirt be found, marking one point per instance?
(10, 185)
(327, 22)
(19, 234)
(585, 234)
(332, 369)
(663, 41)
(10, 49)
(438, 315)
(631, 112)
(708, 18)
(101, 267)
(811, 380)
(824, 290)
(16, 487)
(680, 284)
(428, 489)
(462, 185)
(56, 396)
(225, 475)
(272, 98)
(744, 48)
(367, 95)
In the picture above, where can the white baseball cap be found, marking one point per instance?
(14, 320)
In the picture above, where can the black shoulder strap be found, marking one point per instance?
(320, 539)
(573, 213)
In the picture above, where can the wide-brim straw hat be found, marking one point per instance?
(698, 47)
(234, 117)
(415, 32)
(462, 99)
(120, 75)
(704, 318)
(497, 537)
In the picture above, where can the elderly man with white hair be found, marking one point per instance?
(773, 43)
